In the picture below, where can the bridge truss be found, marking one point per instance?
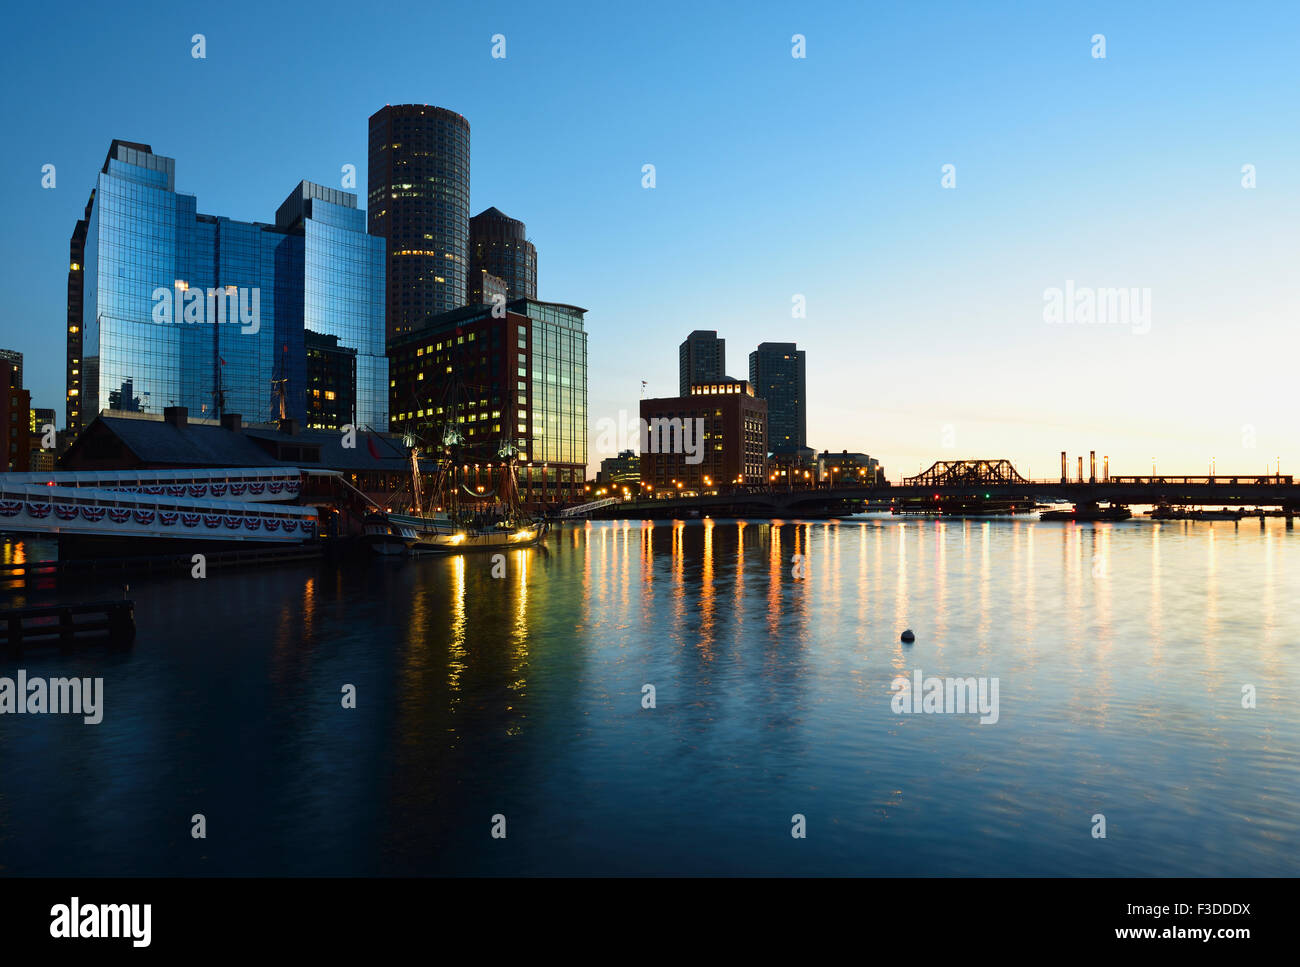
(958, 473)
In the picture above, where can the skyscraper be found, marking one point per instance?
(776, 371)
(419, 202)
(200, 311)
(702, 358)
(498, 245)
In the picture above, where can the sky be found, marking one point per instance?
(776, 176)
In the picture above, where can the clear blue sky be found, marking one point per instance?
(775, 176)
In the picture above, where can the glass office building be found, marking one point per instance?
(559, 383)
(210, 313)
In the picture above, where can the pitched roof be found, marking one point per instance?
(196, 445)
(334, 455)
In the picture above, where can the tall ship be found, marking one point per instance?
(453, 517)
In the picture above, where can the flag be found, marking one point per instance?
(370, 445)
(223, 362)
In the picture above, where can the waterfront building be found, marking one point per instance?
(212, 314)
(418, 198)
(15, 419)
(777, 372)
(848, 468)
(791, 466)
(621, 472)
(376, 463)
(710, 440)
(519, 380)
(499, 246)
(700, 359)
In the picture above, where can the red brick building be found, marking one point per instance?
(707, 442)
(15, 420)
(513, 377)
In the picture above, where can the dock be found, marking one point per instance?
(68, 623)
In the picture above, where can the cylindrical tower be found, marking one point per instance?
(418, 200)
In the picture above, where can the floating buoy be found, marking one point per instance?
(908, 636)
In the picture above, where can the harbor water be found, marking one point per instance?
(1146, 673)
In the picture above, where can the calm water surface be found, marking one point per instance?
(1121, 651)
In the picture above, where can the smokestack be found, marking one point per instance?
(1063, 473)
(1092, 466)
(1081, 470)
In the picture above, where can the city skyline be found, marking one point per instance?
(1121, 173)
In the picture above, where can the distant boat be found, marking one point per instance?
(1113, 512)
(1184, 513)
(1224, 514)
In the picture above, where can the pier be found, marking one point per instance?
(66, 623)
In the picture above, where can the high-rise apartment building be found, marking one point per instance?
(702, 358)
(418, 201)
(776, 371)
(498, 245)
(201, 311)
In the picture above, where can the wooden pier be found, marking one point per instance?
(67, 623)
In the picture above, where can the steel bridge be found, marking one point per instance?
(973, 480)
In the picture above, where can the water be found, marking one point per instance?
(1121, 651)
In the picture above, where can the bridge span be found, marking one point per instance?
(972, 481)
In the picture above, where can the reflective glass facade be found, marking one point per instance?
(559, 378)
(343, 296)
(141, 351)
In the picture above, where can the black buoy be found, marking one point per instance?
(908, 637)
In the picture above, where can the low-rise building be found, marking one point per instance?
(710, 441)
(846, 467)
(15, 418)
(619, 473)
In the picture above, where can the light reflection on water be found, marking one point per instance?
(1121, 651)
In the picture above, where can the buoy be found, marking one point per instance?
(908, 636)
